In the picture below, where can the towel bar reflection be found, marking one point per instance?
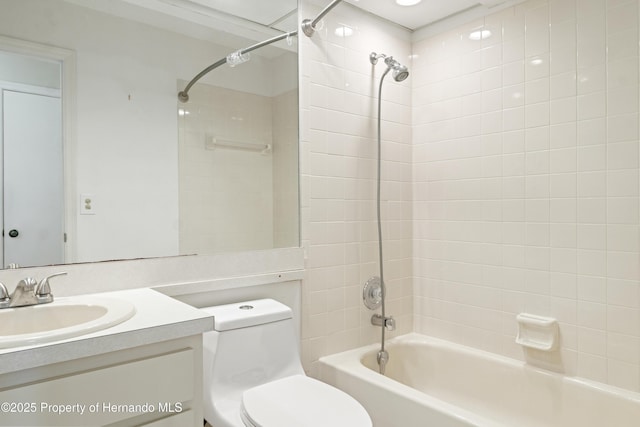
(213, 143)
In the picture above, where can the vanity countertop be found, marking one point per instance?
(158, 318)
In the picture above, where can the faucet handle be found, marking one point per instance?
(5, 300)
(43, 289)
(390, 323)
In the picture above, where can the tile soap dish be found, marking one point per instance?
(538, 332)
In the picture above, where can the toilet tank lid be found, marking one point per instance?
(247, 313)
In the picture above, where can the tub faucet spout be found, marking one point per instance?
(388, 322)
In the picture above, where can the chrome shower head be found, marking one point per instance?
(400, 72)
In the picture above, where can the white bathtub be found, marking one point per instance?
(435, 383)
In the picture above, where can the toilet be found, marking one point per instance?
(253, 376)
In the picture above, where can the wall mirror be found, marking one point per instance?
(138, 173)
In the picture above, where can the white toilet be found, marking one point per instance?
(253, 375)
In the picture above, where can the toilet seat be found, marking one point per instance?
(300, 401)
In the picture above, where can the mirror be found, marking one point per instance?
(148, 176)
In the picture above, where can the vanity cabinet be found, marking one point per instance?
(157, 385)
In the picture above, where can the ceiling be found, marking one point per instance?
(234, 23)
(423, 14)
(268, 13)
(427, 12)
(281, 14)
(231, 21)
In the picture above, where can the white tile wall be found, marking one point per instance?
(338, 171)
(226, 195)
(286, 223)
(511, 181)
(526, 182)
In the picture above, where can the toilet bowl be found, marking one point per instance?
(253, 376)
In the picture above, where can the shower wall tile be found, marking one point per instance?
(208, 175)
(523, 190)
(338, 179)
(526, 173)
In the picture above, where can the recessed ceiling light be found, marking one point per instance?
(479, 35)
(407, 2)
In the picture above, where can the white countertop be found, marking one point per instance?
(158, 318)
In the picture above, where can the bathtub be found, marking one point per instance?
(435, 383)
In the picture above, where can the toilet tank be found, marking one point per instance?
(253, 342)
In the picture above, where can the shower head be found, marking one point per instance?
(400, 72)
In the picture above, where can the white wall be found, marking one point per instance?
(126, 121)
(526, 183)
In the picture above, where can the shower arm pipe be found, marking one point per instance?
(309, 26)
(183, 96)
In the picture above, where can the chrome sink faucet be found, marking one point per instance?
(28, 292)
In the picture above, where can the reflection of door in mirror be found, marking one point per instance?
(32, 180)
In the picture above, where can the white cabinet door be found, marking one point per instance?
(161, 387)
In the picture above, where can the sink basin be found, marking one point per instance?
(63, 318)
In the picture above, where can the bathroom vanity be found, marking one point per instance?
(146, 371)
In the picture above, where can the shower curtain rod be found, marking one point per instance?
(183, 95)
(309, 26)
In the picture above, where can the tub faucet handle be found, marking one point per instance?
(390, 323)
